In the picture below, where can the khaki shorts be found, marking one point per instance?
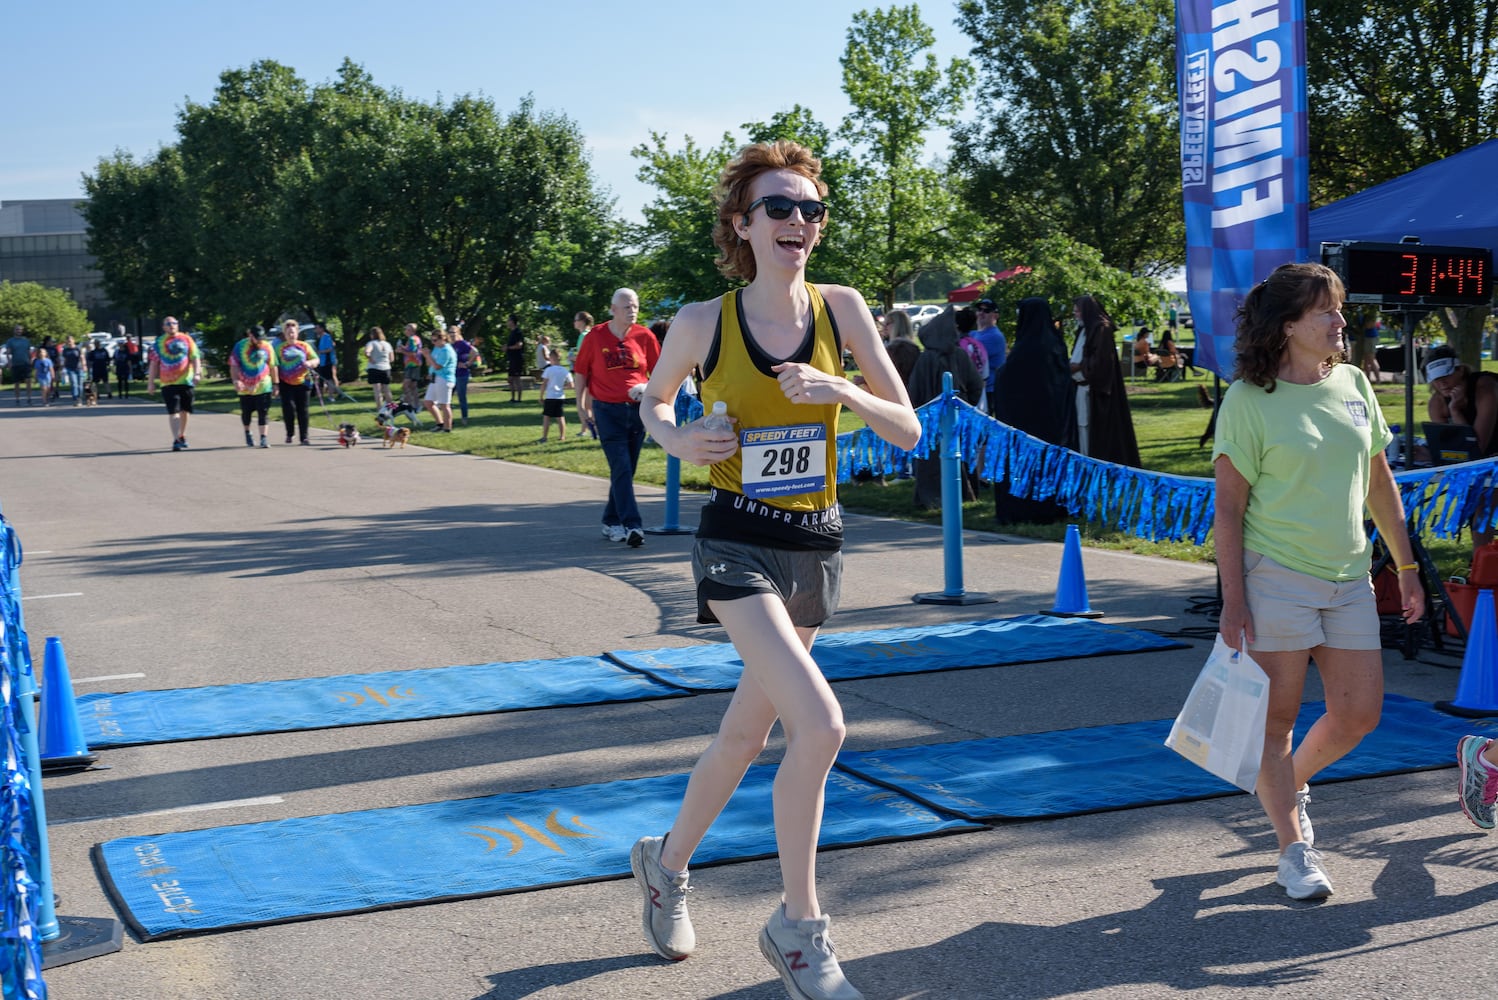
(1294, 611)
(807, 581)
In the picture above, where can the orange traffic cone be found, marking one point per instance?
(1477, 688)
(62, 744)
(1071, 590)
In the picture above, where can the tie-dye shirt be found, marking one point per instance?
(177, 359)
(250, 367)
(295, 359)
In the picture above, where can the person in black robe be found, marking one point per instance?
(941, 354)
(1033, 393)
(1111, 427)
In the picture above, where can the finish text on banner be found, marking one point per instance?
(1244, 179)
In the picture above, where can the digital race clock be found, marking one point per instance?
(1412, 275)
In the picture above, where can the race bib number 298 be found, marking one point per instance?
(783, 461)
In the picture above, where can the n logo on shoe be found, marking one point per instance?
(796, 962)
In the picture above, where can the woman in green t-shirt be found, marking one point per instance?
(1298, 457)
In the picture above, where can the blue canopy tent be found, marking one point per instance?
(1446, 203)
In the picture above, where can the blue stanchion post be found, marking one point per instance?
(673, 501)
(950, 448)
(687, 410)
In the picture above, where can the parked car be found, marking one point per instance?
(920, 315)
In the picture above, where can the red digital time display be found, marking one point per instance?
(1412, 274)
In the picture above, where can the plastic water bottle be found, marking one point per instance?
(718, 419)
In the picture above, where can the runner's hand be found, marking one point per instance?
(805, 384)
(702, 445)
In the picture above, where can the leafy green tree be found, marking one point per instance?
(334, 197)
(675, 263)
(470, 193)
(902, 215)
(577, 266)
(1396, 84)
(45, 312)
(234, 150)
(1078, 133)
(139, 230)
(1063, 269)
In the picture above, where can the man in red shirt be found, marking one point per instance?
(611, 369)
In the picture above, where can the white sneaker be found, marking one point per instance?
(635, 537)
(668, 929)
(804, 956)
(1300, 873)
(614, 532)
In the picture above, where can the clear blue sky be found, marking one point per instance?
(85, 78)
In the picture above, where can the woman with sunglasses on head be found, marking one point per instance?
(767, 559)
(1299, 456)
(296, 361)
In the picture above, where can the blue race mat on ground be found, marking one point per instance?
(1116, 767)
(318, 866)
(844, 656)
(138, 717)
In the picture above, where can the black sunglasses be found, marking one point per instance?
(778, 206)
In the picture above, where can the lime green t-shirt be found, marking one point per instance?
(1305, 451)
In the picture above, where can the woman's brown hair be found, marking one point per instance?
(736, 257)
(1290, 291)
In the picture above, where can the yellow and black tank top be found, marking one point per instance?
(780, 488)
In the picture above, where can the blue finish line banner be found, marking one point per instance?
(1241, 66)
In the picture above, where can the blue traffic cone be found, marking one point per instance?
(1071, 590)
(1477, 688)
(62, 744)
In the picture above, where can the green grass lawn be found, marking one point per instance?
(1169, 419)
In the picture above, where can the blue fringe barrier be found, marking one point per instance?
(1151, 505)
(20, 948)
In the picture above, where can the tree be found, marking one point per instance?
(675, 264)
(1394, 85)
(1079, 134)
(470, 193)
(579, 265)
(139, 220)
(1064, 269)
(234, 151)
(902, 215)
(333, 196)
(45, 312)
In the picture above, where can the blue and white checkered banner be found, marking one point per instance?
(1241, 65)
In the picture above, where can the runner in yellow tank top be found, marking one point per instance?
(767, 558)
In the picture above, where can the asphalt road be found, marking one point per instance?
(225, 564)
